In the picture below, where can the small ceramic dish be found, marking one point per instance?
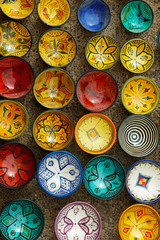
(13, 119)
(94, 15)
(101, 52)
(158, 39)
(138, 135)
(139, 221)
(21, 219)
(95, 133)
(104, 177)
(57, 47)
(60, 173)
(143, 181)
(137, 56)
(136, 16)
(77, 220)
(55, 12)
(140, 95)
(53, 130)
(54, 88)
(97, 91)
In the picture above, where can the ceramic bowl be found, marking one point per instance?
(94, 15)
(104, 177)
(158, 39)
(101, 52)
(15, 39)
(140, 95)
(97, 91)
(54, 13)
(95, 133)
(137, 56)
(54, 88)
(139, 221)
(57, 47)
(21, 219)
(136, 16)
(138, 135)
(60, 173)
(53, 130)
(143, 181)
(77, 220)
(13, 119)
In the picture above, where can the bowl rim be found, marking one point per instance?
(158, 38)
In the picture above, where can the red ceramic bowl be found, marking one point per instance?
(16, 77)
(96, 91)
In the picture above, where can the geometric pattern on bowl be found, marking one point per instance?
(60, 173)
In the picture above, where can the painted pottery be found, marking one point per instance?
(60, 173)
(158, 39)
(95, 133)
(78, 220)
(138, 135)
(97, 91)
(101, 52)
(53, 130)
(54, 88)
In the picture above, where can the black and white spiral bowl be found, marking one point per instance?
(138, 135)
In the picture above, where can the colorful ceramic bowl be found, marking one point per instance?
(104, 177)
(15, 39)
(21, 219)
(137, 56)
(94, 15)
(97, 91)
(143, 181)
(101, 52)
(95, 133)
(136, 16)
(138, 135)
(78, 220)
(13, 119)
(57, 47)
(140, 95)
(54, 88)
(60, 173)
(55, 12)
(158, 39)
(139, 221)
(53, 130)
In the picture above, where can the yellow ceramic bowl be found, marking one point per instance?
(101, 52)
(140, 95)
(95, 133)
(54, 88)
(57, 47)
(139, 222)
(54, 12)
(53, 130)
(137, 56)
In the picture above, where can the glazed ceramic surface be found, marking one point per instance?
(97, 91)
(139, 221)
(101, 52)
(136, 16)
(137, 56)
(138, 135)
(78, 220)
(15, 39)
(53, 130)
(57, 48)
(143, 181)
(94, 15)
(95, 133)
(54, 12)
(104, 177)
(21, 219)
(13, 119)
(60, 173)
(140, 95)
(54, 88)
